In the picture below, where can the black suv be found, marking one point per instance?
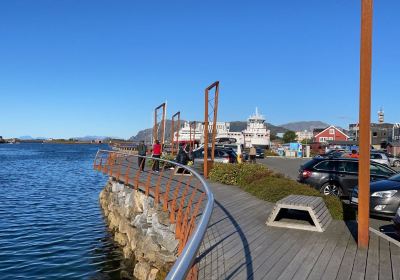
(338, 176)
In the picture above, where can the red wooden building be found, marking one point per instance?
(330, 133)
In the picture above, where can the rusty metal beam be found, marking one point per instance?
(156, 127)
(365, 122)
(208, 164)
(178, 115)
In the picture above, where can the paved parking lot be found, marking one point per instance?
(287, 166)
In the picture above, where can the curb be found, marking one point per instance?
(384, 236)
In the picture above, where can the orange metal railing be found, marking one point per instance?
(175, 188)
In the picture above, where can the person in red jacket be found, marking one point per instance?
(156, 154)
(354, 154)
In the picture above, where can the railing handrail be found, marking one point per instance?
(188, 255)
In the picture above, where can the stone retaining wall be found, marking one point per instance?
(143, 231)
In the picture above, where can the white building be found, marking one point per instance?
(302, 135)
(256, 133)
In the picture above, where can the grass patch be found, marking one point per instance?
(261, 182)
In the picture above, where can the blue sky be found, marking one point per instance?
(93, 67)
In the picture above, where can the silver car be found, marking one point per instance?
(396, 220)
(394, 161)
(380, 158)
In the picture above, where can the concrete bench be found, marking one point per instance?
(314, 206)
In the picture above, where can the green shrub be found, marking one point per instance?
(266, 185)
(238, 174)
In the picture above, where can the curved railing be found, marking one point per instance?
(176, 188)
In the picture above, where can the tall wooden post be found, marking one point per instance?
(365, 123)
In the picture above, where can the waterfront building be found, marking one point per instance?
(331, 133)
(255, 134)
(303, 135)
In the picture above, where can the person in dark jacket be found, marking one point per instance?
(142, 153)
(182, 156)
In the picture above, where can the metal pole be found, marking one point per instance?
(155, 127)
(214, 131)
(172, 136)
(206, 135)
(365, 123)
(177, 130)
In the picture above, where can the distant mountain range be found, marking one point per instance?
(304, 125)
(85, 138)
(90, 138)
(27, 137)
(145, 134)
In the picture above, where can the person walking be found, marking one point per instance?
(142, 153)
(156, 154)
(252, 154)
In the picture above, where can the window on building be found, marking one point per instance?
(374, 134)
(331, 131)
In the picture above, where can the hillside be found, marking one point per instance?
(145, 134)
(304, 125)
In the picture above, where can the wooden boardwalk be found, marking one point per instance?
(238, 245)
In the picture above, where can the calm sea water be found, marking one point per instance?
(51, 225)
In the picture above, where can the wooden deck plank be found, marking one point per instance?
(372, 269)
(280, 250)
(332, 270)
(385, 264)
(326, 255)
(360, 263)
(296, 262)
(347, 264)
(395, 257)
(282, 264)
(309, 262)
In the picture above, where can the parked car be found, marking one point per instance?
(394, 161)
(333, 153)
(380, 158)
(338, 176)
(238, 149)
(385, 197)
(260, 153)
(223, 155)
(396, 221)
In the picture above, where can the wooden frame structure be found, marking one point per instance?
(178, 115)
(214, 112)
(156, 127)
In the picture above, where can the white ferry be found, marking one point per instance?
(256, 133)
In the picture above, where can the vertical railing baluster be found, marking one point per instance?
(173, 204)
(178, 231)
(191, 224)
(188, 208)
(157, 187)
(127, 170)
(166, 194)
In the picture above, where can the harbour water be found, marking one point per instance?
(51, 225)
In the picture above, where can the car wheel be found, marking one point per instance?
(396, 163)
(332, 189)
